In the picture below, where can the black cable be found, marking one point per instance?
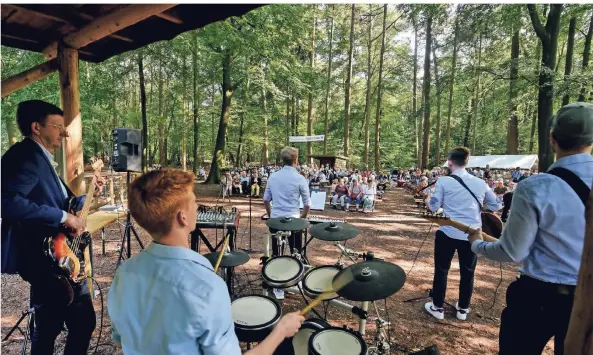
(496, 290)
(419, 249)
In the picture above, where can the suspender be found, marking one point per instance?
(575, 182)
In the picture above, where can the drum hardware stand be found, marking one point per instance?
(30, 315)
(128, 230)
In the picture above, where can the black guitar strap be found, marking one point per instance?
(467, 188)
(575, 182)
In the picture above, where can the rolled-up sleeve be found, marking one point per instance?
(304, 191)
(219, 336)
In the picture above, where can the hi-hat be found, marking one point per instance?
(333, 232)
(373, 280)
(287, 224)
(229, 258)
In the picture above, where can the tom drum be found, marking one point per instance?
(334, 340)
(319, 280)
(254, 317)
(283, 271)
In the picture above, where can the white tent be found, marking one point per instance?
(502, 161)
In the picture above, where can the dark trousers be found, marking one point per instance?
(51, 314)
(535, 312)
(444, 249)
(295, 240)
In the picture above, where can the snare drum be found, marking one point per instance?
(254, 317)
(335, 340)
(283, 271)
(300, 341)
(319, 280)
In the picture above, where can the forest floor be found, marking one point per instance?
(395, 232)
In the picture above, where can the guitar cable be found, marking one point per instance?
(99, 344)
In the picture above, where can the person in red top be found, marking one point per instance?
(341, 193)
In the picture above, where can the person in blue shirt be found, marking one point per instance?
(167, 299)
(545, 232)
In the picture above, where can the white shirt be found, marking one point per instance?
(284, 189)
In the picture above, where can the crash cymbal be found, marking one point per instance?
(287, 224)
(333, 232)
(229, 258)
(373, 280)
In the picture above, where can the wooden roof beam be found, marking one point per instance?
(171, 18)
(19, 81)
(107, 25)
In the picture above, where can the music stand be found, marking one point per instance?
(30, 315)
(128, 230)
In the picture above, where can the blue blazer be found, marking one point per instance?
(32, 205)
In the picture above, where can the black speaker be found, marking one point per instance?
(127, 150)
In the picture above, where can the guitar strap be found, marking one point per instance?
(459, 180)
(575, 182)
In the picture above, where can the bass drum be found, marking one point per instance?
(283, 271)
(335, 340)
(254, 317)
(300, 342)
(319, 280)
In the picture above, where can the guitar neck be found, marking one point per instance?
(468, 229)
(89, 198)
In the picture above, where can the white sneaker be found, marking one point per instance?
(461, 312)
(279, 293)
(438, 313)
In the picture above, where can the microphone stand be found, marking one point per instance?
(250, 250)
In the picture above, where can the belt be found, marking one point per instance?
(542, 286)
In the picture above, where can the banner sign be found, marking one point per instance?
(300, 139)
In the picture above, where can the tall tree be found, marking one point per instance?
(548, 36)
(242, 121)
(348, 87)
(426, 93)
(477, 90)
(143, 108)
(586, 55)
(265, 144)
(513, 124)
(310, 108)
(418, 125)
(569, 54)
(380, 93)
(437, 159)
(367, 102)
(452, 83)
(195, 105)
(329, 75)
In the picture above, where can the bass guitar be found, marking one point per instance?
(446, 221)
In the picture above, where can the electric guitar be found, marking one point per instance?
(447, 221)
(64, 251)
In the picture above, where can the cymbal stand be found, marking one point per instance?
(381, 344)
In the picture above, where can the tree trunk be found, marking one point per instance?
(477, 95)
(437, 160)
(242, 120)
(11, 131)
(293, 121)
(195, 101)
(329, 74)
(586, 55)
(559, 58)
(310, 108)
(144, 118)
(533, 126)
(513, 125)
(287, 118)
(569, 54)
(426, 94)
(297, 115)
(218, 156)
(367, 102)
(451, 87)
(548, 36)
(348, 83)
(468, 123)
(417, 125)
(183, 116)
(380, 94)
(265, 111)
(161, 125)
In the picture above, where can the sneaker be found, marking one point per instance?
(438, 313)
(279, 293)
(461, 312)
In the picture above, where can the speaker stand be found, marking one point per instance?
(127, 236)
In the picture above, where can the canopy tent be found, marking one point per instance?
(524, 162)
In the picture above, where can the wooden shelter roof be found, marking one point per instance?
(38, 27)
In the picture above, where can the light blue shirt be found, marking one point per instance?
(459, 204)
(546, 226)
(284, 188)
(168, 300)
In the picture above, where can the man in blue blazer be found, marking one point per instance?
(35, 206)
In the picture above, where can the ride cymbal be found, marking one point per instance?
(287, 224)
(373, 280)
(229, 258)
(333, 232)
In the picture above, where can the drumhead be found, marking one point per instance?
(282, 269)
(336, 341)
(255, 311)
(300, 342)
(320, 278)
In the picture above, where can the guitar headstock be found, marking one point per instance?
(97, 166)
(437, 218)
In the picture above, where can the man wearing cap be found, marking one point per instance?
(546, 231)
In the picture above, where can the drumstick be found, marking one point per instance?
(226, 242)
(337, 285)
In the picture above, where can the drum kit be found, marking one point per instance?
(369, 280)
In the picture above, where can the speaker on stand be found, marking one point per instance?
(127, 157)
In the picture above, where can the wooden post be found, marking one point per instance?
(579, 338)
(29, 76)
(70, 95)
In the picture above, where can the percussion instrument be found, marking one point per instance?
(283, 271)
(333, 232)
(300, 341)
(319, 280)
(287, 224)
(372, 280)
(229, 258)
(335, 340)
(254, 317)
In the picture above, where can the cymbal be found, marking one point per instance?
(287, 224)
(229, 258)
(333, 232)
(373, 280)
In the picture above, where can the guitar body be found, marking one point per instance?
(491, 224)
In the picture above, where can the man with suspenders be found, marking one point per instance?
(546, 232)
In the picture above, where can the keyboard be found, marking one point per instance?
(213, 219)
(315, 219)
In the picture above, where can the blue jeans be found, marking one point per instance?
(350, 199)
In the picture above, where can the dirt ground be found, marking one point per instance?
(395, 232)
